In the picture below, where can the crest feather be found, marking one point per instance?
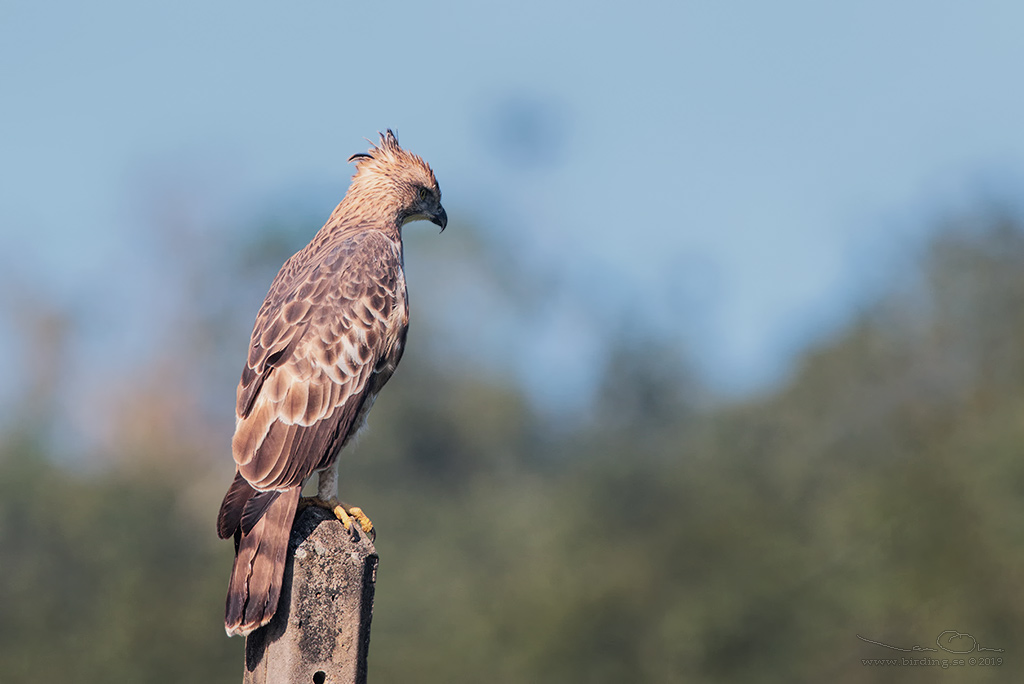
(388, 143)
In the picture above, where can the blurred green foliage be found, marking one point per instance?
(663, 538)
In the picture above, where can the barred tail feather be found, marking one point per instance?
(259, 567)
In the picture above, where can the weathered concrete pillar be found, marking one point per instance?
(321, 631)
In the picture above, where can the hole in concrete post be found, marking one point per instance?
(319, 677)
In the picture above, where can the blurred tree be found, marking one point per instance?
(666, 538)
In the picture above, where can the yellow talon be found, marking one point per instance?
(342, 512)
(364, 522)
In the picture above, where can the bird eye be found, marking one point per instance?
(424, 193)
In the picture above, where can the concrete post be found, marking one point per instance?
(321, 631)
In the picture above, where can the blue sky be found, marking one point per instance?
(737, 174)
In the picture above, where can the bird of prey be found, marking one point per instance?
(327, 337)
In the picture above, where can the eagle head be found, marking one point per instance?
(401, 179)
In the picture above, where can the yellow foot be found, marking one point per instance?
(343, 512)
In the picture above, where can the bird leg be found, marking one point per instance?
(327, 483)
(327, 498)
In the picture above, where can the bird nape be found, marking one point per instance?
(328, 336)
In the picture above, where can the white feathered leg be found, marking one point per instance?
(327, 485)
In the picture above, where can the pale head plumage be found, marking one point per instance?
(393, 184)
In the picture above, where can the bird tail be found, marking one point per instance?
(259, 564)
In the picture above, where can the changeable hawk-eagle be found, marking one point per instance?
(328, 336)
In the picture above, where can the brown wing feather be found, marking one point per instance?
(230, 516)
(321, 347)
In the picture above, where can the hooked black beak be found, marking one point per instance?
(440, 218)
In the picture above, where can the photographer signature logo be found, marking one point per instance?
(944, 641)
